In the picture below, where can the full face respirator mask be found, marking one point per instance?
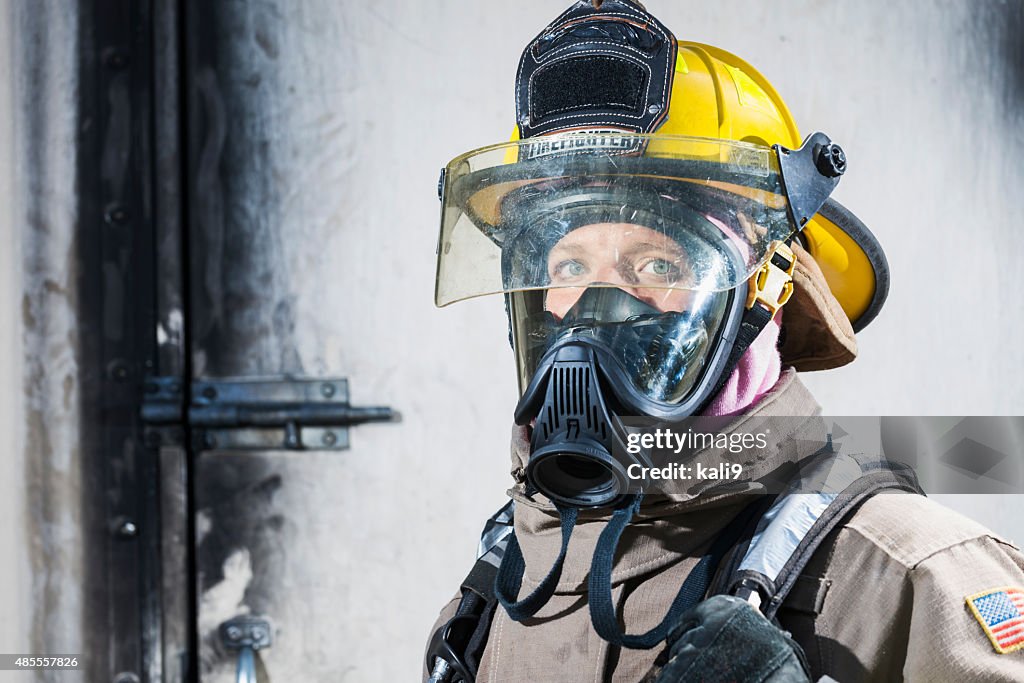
(577, 454)
(590, 354)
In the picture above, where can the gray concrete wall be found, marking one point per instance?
(41, 539)
(351, 110)
(14, 632)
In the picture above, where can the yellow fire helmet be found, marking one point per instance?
(634, 92)
(716, 94)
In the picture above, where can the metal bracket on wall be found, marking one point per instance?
(263, 413)
(247, 635)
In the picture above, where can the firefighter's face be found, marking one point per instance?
(636, 259)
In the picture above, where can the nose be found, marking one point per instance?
(561, 299)
(611, 275)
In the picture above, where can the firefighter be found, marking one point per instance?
(668, 249)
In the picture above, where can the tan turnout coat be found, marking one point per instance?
(884, 599)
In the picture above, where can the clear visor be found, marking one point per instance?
(652, 215)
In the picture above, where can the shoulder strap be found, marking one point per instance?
(888, 477)
(454, 652)
(828, 491)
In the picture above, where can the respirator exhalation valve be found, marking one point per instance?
(572, 461)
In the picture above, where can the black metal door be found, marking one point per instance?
(220, 421)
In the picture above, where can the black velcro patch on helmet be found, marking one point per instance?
(609, 66)
(587, 83)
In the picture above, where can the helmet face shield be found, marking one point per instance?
(533, 214)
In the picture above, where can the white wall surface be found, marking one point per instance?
(920, 94)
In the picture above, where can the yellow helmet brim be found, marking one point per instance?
(851, 261)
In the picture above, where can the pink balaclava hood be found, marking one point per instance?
(756, 373)
(760, 365)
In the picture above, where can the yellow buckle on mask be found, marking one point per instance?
(771, 286)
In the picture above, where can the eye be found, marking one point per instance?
(661, 268)
(569, 269)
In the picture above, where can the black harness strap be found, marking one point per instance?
(460, 641)
(876, 478)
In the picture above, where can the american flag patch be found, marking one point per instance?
(1000, 611)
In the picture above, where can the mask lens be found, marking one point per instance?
(662, 354)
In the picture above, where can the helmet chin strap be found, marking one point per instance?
(770, 287)
(768, 290)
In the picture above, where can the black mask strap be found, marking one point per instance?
(754, 320)
(509, 579)
(599, 588)
(510, 573)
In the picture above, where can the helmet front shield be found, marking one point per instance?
(693, 214)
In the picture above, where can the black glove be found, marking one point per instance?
(725, 639)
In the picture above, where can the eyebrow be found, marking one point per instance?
(650, 246)
(639, 246)
(647, 245)
(570, 248)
